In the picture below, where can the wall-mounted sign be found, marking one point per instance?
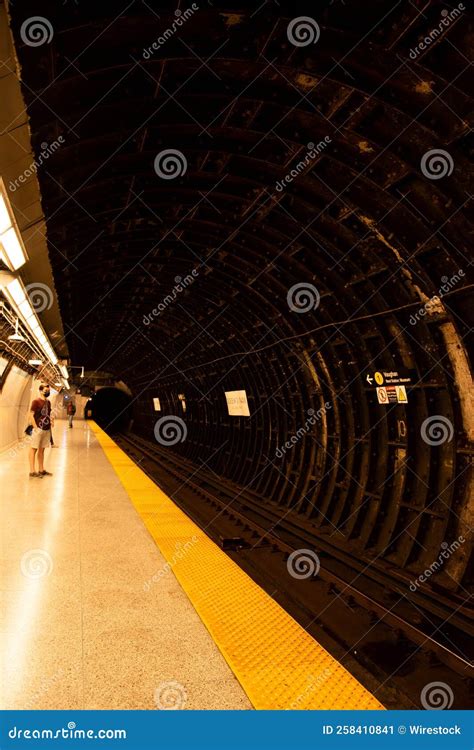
(389, 377)
(156, 404)
(237, 403)
(392, 394)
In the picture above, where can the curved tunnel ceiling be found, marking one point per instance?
(303, 238)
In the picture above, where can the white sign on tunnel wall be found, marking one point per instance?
(237, 403)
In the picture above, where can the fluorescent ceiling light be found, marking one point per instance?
(35, 361)
(12, 249)
(64, 371)
(14, 288)
(15, 293)
(25, 309)
(11, 243)
(5, 220)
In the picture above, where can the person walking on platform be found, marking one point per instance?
(40, 420)
(71, 410)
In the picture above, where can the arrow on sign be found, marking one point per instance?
(369, 380)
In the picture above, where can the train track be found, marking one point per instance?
(392, 639)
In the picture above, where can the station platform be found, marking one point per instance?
(112, 598)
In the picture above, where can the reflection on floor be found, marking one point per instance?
(80, 626)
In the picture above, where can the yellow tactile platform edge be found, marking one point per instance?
(278, 664)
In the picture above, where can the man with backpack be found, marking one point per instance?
(71, 410)
(40, 421)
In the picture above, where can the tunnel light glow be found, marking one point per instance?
(64, 371)
(12, 248)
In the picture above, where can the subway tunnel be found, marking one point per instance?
(250, 226)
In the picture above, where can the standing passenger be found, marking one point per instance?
(71, 410)
(40, 420)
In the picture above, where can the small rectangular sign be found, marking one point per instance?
(401, 394)
(392, 394)
(237, 403)
(156, 404)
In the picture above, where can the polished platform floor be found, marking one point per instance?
(91, 617)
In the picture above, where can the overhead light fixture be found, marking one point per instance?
(64, 371)
(37, 362)
(12, 249)
(82, 372)
(16, 336)
(15, 292)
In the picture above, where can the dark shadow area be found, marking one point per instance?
(111, 409)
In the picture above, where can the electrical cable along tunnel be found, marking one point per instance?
(259, 219)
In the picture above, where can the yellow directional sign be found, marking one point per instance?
(378, 378)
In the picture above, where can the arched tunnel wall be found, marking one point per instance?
(16, 388)
(289, 227)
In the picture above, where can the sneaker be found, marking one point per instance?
(45, 474)
(36, 474)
